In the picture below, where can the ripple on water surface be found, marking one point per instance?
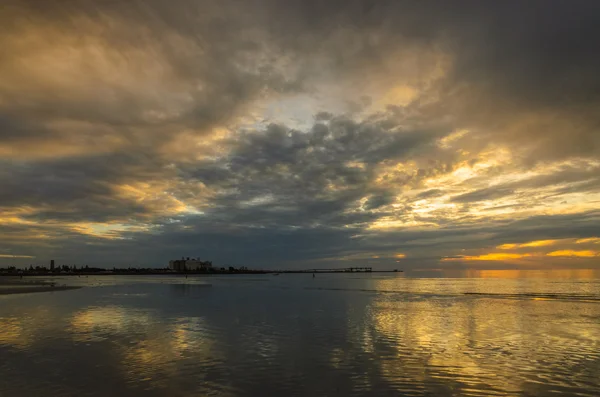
(301, 337)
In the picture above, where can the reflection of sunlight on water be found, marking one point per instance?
(496, 343)
(21, 331)
(169, 351)
(569, 274)
(148, 360)
(191, 335)
(513, 286)
(11, 332)
(152, 351)
(98, 323)
(337, 358)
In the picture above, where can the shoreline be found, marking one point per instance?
(27, 289)
(190, 273)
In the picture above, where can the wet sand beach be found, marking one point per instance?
(12, 285)
(29, 289)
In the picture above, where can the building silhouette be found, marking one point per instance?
(189, 264)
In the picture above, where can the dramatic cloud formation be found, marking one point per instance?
(397, 134)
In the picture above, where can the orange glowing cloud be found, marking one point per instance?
(566, 252)
(536, 243)
(573, 253)
(590, 240)
(495, 256)
(508, 246)
(539, 243)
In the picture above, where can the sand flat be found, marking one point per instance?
(26, 289)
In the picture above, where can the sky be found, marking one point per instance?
(300, 134)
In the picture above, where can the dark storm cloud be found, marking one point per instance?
(12, 128)
(525, 72)
(310, 177)
(539, 54)
(536, 52)
(97, 97)
(77, 189)
(532, 64)
(377, 201)
(157, 57)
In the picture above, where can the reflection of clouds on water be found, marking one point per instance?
(190, 334)
(152, 350)
(499, 343)
(99, 323)
(349, 340)
(261, 341)
(189, 290)
(11, 332)
(21, 331)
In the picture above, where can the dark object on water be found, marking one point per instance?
(313, 275)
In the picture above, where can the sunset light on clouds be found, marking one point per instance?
(292, 135)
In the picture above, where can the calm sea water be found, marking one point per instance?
(292, 335)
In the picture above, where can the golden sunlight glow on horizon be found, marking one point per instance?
(500, 256)
(529, 273)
